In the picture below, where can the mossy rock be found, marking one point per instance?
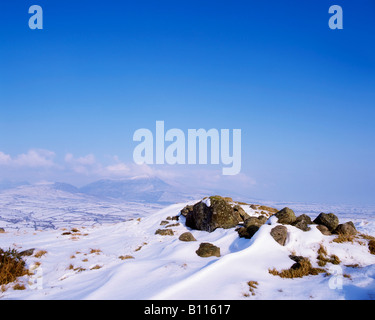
(165, 232)
(220, 214)
(206, 250)
(327, 219)
(286, 216)
(187, 236)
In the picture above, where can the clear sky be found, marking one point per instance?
(72, 94)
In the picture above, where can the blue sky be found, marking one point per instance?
(72, 94)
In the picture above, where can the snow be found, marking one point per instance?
(163, 267)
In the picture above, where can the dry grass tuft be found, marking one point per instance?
(40, 253)
(252, 286)
(18, 286)
(323, 257)
(12, 266)
(96, 267)
(298, 270)
(341, 238)
(126, 257)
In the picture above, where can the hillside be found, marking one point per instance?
(132, 260)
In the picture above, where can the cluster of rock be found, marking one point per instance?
(219, 212)
(327, 223)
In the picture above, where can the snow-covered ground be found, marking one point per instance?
(94, 261)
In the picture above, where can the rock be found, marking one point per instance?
(187, 236)
(371, 246)
(247, 233)
(164, 222)
(241, 214)
(186, 210)
(26, 253)
(346, 229)
(208, 250)
(300, 261)
(327, 219)
(251, 226)
(286, 216)
(173, 218)
(302, 222)
(2, 230)
(219, 214)
(165, 232)
(255, 221)
(324, 230)
(279, 233)
(172, 225)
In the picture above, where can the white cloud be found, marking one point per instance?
(32, 159)
(5, 159)
(35, 158)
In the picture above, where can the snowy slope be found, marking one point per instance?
(163, 267)
(51, 206)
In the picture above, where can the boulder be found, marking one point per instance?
(327, 219)
(346, 229)
(187, 236)
(251, 226)
(219, 214)
(241, 214)
(208, 250)
(279, 233)
(302, 222)
(324, 230)
(186, 210)
(286, 216)
(2, 230)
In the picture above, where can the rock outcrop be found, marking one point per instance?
(327, 219)
(212, 214)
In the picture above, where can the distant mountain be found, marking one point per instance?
(144, 189)
(65, 187)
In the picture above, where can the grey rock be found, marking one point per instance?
(208, 250)
(286, 216)
(280, 233)
(346, 229)
(187, 236)
(324, 230)
(327, 219)
(165, 232)
(219, 214)
(302, 222)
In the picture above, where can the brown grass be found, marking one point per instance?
(96, 267)
(252, 286)
(126, 257)
(12, 266)
(297, 270)
(18, 286)
(97, 251)
(323, 257)
(341, 238)
(40, 253)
